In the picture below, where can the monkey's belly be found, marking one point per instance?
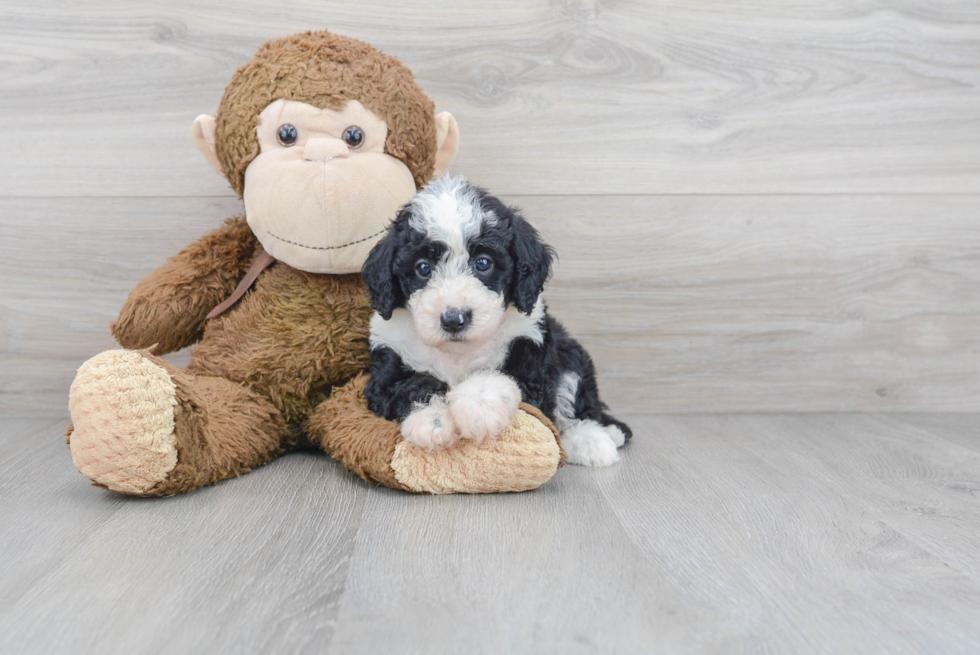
(289, 338)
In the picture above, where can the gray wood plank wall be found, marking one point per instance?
(769, 206)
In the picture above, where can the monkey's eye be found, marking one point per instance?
(287, 134)
(482, 264)
(353, 136)
(423, 269)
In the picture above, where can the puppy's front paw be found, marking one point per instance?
(430, 426)
(483, 405)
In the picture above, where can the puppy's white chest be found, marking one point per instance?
(454, 367)
(454, 362)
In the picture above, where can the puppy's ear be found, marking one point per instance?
(378, 272)
(532, 261)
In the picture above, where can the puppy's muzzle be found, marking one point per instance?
(454, 321)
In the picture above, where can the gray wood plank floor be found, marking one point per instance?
(831, 533)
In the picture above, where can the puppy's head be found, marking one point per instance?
(457, 258)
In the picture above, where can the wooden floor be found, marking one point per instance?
(830, 533)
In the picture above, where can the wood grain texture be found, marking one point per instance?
(764, 206)
(577, 96)
(687, 303)
(163, 577)
(769, 303)
(771, 533)
(790, 514)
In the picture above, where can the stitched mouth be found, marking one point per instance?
(303, 245)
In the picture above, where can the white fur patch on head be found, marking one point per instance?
(483, 405)
(448, 210)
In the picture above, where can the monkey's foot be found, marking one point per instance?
(523, 456)
(122, 409)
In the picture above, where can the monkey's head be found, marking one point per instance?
(325, 138)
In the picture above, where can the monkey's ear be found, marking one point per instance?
(379, 275)
(533, 261)
(204, 137)
(447, 142)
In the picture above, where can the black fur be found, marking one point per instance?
(394, 388)
(527, 261)
(378, 271)
(538, 370)
(389, 269)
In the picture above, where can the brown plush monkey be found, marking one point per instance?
(323, 137)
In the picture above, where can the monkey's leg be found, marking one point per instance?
(144, 427)
(524, 456)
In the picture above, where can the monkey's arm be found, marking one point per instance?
(394, 388)
(169, 306)
(524, 456)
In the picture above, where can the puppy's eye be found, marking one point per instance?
(287, 134)
(482, 264)
(353, 136)
(423, 269)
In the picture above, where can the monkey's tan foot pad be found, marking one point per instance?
(522, 457)
(122, 409)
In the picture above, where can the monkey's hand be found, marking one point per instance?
(168, 308)
(483, 405)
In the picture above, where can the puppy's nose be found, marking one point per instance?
(455, 320)
(324, 149)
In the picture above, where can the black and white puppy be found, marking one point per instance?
(460, 334)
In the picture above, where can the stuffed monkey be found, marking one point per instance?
(324, 138)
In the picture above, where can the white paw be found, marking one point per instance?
(618, 436)
(430, 426)
(483, 405)
(589, 444)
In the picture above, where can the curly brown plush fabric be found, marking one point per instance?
(196, 279)
(291, 337)
(348, 431)
(208, 449)
(325, 70)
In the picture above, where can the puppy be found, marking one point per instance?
(460, 334)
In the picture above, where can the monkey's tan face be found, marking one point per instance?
(322, 190)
